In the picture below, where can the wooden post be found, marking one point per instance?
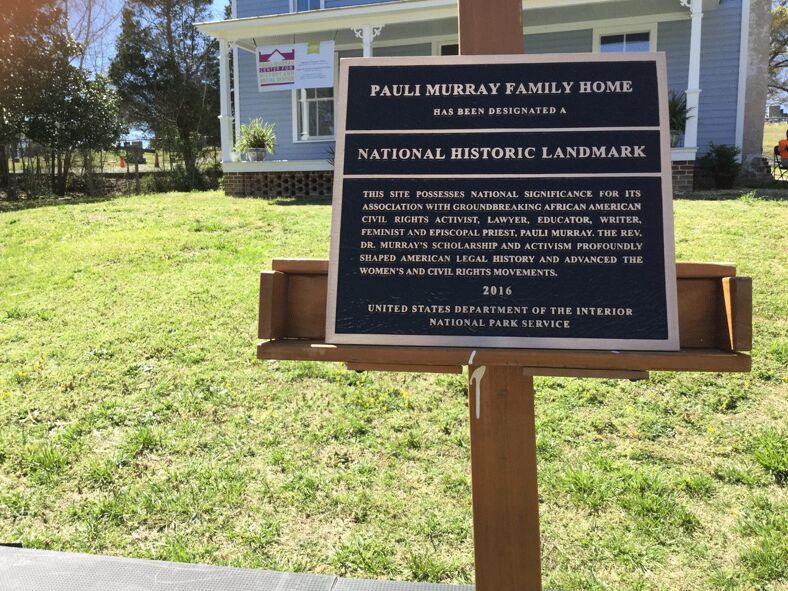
(503, 476)
(489, 27)
(128, 175)
(501, 399)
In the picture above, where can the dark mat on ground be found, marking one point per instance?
(41, 570)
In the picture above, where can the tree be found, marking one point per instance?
(166, 73)
(778, 49)
(92, 23)
(46, 95)
(74, 113)
(34, 46)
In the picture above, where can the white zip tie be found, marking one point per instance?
(478, 375)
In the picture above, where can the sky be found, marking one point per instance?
(101, 57)
(218, 9)
(104, 54)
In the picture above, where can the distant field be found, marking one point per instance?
(112, 162)
(136, 421)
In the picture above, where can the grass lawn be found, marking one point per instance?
(136, 421)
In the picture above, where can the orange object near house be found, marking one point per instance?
(782, 148)
(122, 163)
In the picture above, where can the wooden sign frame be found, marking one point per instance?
(714, 311)
(670, 343)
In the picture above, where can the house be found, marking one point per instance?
(714, 51)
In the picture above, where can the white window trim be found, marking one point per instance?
(650, 28)
(436, 43)
(294, 6)
(297, 139)
(439, 40)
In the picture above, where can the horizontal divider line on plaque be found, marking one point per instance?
(497, 130)
(507, 176)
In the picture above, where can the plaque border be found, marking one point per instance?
(671, 343)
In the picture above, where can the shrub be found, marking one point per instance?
(178, 180)
(721, 161)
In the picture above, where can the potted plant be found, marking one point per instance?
(257, 138)
(678, 113)
(721, 161)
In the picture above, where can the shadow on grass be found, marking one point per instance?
(764, 194)
(8, 205)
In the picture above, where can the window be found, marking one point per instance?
(303, 5)
(315, 113)
(625, 42)
(450, 49)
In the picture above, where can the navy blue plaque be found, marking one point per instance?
(507, 201)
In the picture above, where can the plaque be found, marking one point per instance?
(503, 201)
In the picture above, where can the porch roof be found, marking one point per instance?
(313, 21)
(381, 13)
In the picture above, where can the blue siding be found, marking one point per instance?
(403, 50)
(719, 74)
(719, 69)
(261, 7)
(719, 64)
(266, 7)
(277, 107)
(338, 3)
(565, 42)
(674, 39)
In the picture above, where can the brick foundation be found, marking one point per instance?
(756, 171)
(314, 184)
(683, 176)
(319, 184)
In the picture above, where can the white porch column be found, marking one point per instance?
(693, 78)
(236, 77)
(236, 92)
(225, 116)
(304, 115)
(367, 34)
